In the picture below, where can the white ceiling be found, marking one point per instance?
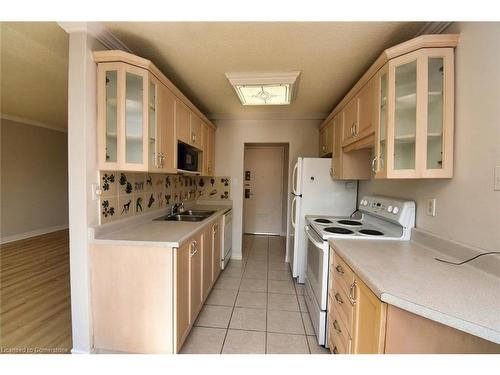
(34, 71)
(196, 55)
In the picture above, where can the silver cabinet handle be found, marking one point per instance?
(352, 297)
(355, 127)
(336, 327)
(374, 170)
(339, 269)
(194, 246)
(339, 299)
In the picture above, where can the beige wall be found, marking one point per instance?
(34, 195)
(231, 135)
(468, 209)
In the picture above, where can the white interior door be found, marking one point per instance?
(263, 189)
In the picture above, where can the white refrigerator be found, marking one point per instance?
(314, 193)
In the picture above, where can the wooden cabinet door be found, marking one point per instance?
(166, 124)
(182, 294)
(329, 137)
(217, 250)
(337, 127)
(204, 145)
(196, 276)
(322, 143)
(182, 122)
(109, 115)
(211, 152)
(207, 251)
(350, 120)
(365, 104)
(196, 136)
(369, 321)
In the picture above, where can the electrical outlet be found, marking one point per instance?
(431, 207)
(497, 178)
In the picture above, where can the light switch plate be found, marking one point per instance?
(431, 207)
(497, 178)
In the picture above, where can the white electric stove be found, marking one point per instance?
(377, 218)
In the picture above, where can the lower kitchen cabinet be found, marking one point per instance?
(146, 299)
(369, 321)
(216, 240)
(360, 323)
(196, 270)
(356, 317)
(182, 293)
(208, 254)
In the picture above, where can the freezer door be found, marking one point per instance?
(297, 178)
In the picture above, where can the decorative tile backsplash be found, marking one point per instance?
(125, 194)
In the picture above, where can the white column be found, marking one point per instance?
(82, 173)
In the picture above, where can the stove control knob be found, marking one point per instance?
(395, 210)
(389, 209)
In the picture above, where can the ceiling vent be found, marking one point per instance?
(264, 88)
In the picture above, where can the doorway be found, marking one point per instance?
(265, 179)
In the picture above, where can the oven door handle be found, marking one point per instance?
(319, 244)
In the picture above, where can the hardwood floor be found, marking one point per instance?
(35, 315)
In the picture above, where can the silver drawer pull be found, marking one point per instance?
(340, 269)
(338, 298)
(336, 326)
(352, 296)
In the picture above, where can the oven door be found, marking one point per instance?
(317, 266)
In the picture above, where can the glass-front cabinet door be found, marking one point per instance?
(135, 119)
(154, 149)
(108, 115)
(380, 157)
(437, 155)
(123, 110)
(414, 137)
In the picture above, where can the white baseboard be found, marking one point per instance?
(33, 233)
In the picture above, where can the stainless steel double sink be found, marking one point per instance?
(188, 215)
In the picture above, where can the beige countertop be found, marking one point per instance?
(406, 275)
(143, 231)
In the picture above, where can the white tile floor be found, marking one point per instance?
(255, 307)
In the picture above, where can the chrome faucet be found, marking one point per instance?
(175, 208)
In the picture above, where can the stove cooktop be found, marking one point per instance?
(346, 227)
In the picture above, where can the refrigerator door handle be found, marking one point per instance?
(294, 175)
(294, 204)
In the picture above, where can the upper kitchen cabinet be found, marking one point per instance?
(122, 117)
(183, 122)
(402, 107)
(208, 144)
(352, 165)
(196, 132)
(414, 137)
(141, 115)
(326, 140)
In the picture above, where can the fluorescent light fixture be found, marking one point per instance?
(264, 88)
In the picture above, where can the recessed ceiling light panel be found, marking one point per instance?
(264, 88)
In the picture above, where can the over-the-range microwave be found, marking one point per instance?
(187, 158)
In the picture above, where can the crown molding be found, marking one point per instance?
(27, 121)
(433, 28)
(268, 116)
(98, 31)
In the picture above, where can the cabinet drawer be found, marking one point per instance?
(340, 301)
(338, 337)
(342, 273)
